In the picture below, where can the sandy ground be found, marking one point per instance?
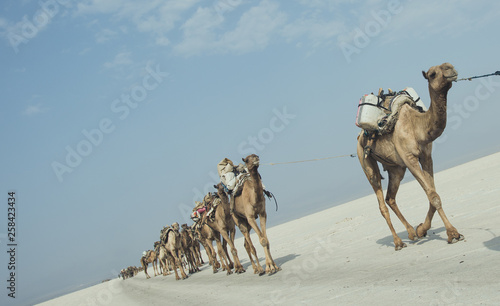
(345, 256)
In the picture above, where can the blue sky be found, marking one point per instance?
(115, 113)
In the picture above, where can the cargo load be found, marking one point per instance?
(379, 113)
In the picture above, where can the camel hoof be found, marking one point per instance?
(454, 240)
(400, 246)
(241, 270)
(420, 232)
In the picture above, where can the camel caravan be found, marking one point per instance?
(237, 201)
(397, 132)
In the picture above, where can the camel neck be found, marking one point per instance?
(254, 174)
(224, 201)
(436, 115)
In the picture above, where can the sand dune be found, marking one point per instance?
(345, 255)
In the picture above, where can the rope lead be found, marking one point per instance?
(480, 76)
(309, 160)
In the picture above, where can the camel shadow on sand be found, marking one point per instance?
(279, 261)
(493, 244)
(432, 234)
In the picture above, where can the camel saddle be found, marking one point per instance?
(164, 235)
(391, 104)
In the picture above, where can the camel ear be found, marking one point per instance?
(215, 186)
(425, 75)
(243, 160)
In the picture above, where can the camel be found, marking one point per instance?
(207, 236)
(171, 241)
(223, 223)
(244, 228)
(410, 146)
(196, 247)
(150, 257)
(248, 206)
(188, 249)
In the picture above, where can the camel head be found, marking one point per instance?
(441, 77)
(175, 226)
(208, 198)
(219, 187)
(251, 161)
(184, 226)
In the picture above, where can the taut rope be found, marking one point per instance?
(309, 160)
(479, 76)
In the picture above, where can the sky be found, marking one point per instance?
(115, 113)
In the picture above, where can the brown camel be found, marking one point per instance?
(226, 226)
(223, 223)
(188, 249)
(207, 236)
(150, 257)
(250, 205)
(196, 247)
(171, 240)
(244, 228)
(410, 146)
(166, 261)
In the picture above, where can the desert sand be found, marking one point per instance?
(345, 256)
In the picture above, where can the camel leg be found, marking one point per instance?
(199, 259)
(194, 259)
(155, 267)
(175, 262)
(145, 267)
(209, 248)
(422, 228)
(425, 176)
(270, 262)
(198, 252)
(396, 174)
(372, 173)
(251, 250)
(178, 262)
(271, 267)
(222, 256)
(224, 247)
(245, 230)
(230, 240)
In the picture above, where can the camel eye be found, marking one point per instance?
(432, 75)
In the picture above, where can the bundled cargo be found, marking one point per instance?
(380, 113)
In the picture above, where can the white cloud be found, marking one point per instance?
(32, 110)
(252, 32)
(121, 60)
(155, 17)
(100, 6)
(105, 35)
(255, 28)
